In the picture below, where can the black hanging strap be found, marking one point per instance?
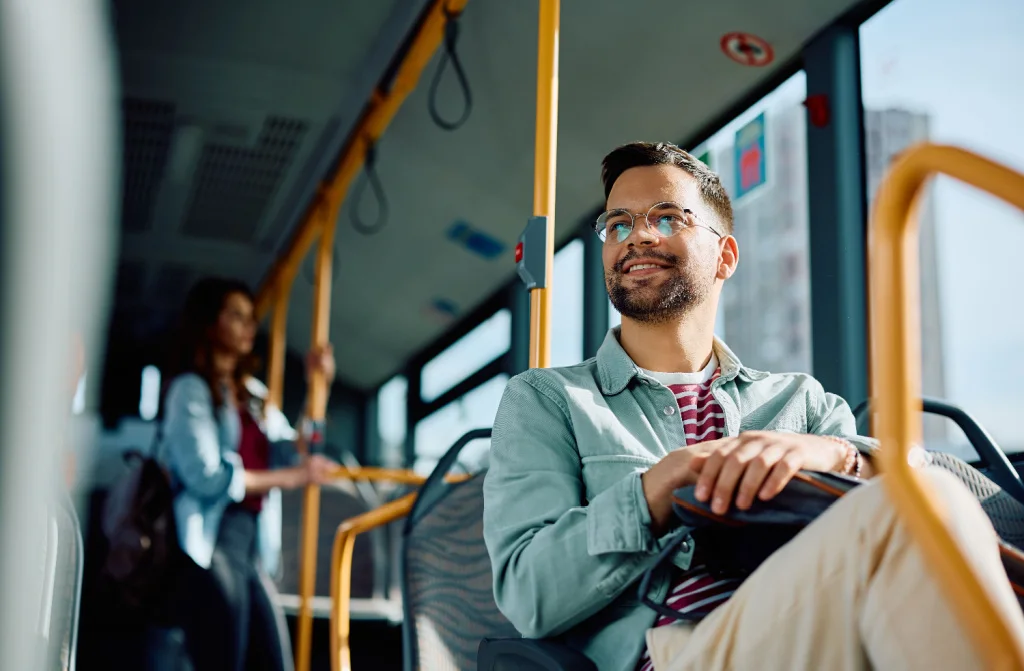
(451, 38)
(369, 176)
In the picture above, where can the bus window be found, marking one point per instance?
(934, 70)
(765, 311)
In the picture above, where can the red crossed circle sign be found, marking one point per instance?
(747, 49)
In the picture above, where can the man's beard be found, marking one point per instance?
(676, 295)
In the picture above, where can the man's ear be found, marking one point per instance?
(729, 258)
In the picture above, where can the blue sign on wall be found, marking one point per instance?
(475, 240)
(751, 163)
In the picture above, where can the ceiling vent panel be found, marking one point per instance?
(148, 128)
(235, 184)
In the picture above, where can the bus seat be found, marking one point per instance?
(336, 503)
(65, 561)
(1005, 512)
(447, 585)
(994, 462)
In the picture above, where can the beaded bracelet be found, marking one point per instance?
(854, 462)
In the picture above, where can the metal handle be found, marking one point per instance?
(896, 378)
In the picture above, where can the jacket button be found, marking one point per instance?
(669, 410)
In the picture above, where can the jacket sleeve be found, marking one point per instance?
(557, 558)
(191, 443)
(831, 416)
(281, 437)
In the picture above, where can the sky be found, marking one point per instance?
(960, 64)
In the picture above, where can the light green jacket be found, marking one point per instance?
(565, 519)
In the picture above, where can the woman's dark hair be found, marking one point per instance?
(192, 350)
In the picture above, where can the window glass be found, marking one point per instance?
(78, 402)
(567, 306)
(471, 352)
(945, 72)
(761, 157)
(439, 431)
(391, 419)
(149, 393)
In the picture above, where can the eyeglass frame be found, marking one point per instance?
(632, 222)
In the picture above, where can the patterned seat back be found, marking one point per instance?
(336, 505)
(447, 586)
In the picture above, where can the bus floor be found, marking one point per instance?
(110, 639)
(375, 644)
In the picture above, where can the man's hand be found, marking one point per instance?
(757, 463)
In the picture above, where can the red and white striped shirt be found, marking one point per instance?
(695, 591)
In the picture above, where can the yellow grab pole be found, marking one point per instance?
(896, 381)
(379, 111)
(544, 164)
(277, 346)
(315, 413)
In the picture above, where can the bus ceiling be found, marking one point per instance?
(235, 143)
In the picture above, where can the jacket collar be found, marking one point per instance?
(615, 370)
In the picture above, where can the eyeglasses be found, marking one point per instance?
(615, 226)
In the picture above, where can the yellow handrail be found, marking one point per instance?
(379, 112)
(277, 346)
(896, 378)
(320, 222)
(316, 411)
(341, 572)
(544, 162)
(400, 475)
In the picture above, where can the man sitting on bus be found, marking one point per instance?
(584, 460)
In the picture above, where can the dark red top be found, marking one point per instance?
(254, 449)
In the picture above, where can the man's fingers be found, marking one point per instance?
(709, 471)
(697, 462)
(781, 474)
(755, 474)
(733, 468)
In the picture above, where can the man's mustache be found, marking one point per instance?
(670, 259)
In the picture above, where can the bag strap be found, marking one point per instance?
(683, 541)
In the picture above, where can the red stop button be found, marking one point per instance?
(519, 252)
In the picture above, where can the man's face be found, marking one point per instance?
(685, 265)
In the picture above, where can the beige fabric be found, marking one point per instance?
(850, 592)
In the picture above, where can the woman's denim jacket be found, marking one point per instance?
(199, 446)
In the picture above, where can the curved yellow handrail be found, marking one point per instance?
(896, 378)
(341, 571)
(401, 476)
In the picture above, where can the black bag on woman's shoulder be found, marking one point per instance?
(138, 522)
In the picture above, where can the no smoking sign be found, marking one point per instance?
(747, 49)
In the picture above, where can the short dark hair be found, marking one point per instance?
(640, 154)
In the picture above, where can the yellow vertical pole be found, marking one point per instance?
(277, 345)
(315, 412)
(544, 164)
(896, 385)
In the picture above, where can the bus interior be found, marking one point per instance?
(376, 171)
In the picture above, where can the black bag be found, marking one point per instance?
(738, 542)
(138, 522)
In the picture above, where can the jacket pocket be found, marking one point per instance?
(602, 471)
